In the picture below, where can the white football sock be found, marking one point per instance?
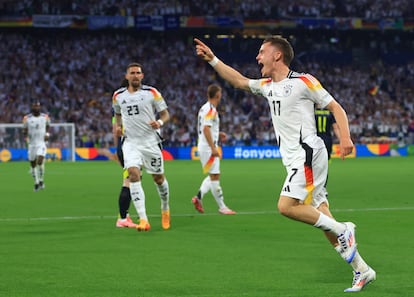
(358, 264)
(205, 186)
(164, 192)
(217, 193)
(36, 174)
(138, 198)
(41, 171)
(329, 224)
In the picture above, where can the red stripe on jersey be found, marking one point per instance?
(311, 82)
(114, 96)
(211, 114)
(156, 94)
(265, 81)
(309, 184)
(208, 165)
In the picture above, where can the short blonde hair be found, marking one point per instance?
(284, 46)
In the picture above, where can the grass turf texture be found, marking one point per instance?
(62, 241)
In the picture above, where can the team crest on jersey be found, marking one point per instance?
(287, 90)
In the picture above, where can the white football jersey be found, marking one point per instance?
(208, 116)
(291, 104)
(36, 127)
(137, 110)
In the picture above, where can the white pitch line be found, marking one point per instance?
(196, 214)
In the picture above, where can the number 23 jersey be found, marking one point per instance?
(137, 110)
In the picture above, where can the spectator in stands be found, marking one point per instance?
(58, 76)
(250, 9)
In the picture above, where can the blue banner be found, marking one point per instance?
(157, 22)
(191, 153)
(143, 22)
(171, 22)
(238, 152)
(251, 152)
(224, 21)
(100, 22)
(53, 154)
(312, 23)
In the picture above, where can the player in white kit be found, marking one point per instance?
(208, 137)
(35, 130)
(292, 97)
(135, 110)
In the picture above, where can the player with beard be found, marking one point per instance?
(142, 148)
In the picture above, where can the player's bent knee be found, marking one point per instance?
(285, 205)
(158, 178)
(283, 210)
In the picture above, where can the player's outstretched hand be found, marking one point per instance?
(203, 51)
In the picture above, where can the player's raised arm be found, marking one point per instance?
(235, 78)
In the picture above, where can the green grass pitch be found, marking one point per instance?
(62, 241)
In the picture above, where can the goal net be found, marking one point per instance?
(60, 147)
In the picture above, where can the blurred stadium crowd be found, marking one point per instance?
(73, 74)
(369, 9)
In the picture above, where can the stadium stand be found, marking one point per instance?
(370, 9)
(370, 72)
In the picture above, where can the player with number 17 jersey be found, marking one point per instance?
(292, 102)
(137, 110)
